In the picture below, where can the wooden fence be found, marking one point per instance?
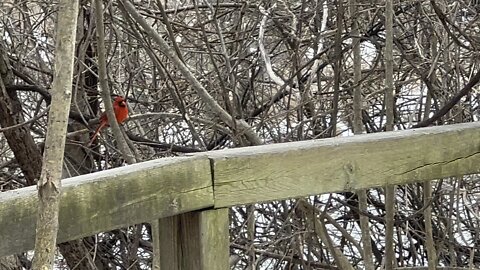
(196, 191)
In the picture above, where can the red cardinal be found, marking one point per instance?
(121, 114)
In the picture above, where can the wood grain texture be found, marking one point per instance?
(214, 236)
(195, 240)
(169, 250)
(110, 199)
(171, 186)
(274, 172)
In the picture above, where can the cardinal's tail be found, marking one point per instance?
(97, 131)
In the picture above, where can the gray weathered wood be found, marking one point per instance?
(274, 172)
(168, 187)
(110, 199)
(196, 240)
(169, 248)
(155, 224)
(214, 235)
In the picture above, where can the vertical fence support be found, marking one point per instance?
(156, 244)
(195, 240)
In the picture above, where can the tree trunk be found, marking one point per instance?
(49, 185)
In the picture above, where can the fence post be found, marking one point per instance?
(194, 240)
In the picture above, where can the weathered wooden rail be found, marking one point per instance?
(213, 181)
